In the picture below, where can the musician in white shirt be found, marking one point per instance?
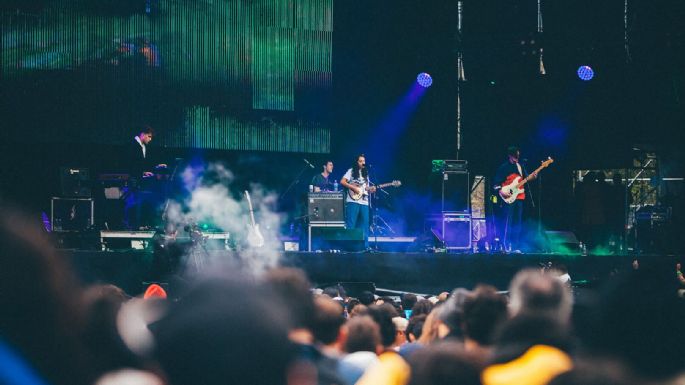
(356, 179)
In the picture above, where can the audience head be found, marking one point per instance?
(408, 301)
(363, 335)
(423, 306)
(366, 298)
(449, 314)
(430, 329)
(106, 347)
(382, 315)
(206, 338)
(391, 301)
(351, 303)
(335, 291)
(444, 363)
(483, 312)
(415, 327)
(42, 315)
(533, 291)
(291, 287)
(328, 320)
(639, 320)
(401, 324)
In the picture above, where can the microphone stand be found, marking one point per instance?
(540, 207)
(372, 213)
(294, 182)
(532, 200)
(290, 187)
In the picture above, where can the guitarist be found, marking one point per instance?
(356, 179)
(511, 215)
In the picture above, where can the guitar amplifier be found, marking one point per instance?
(326, 207)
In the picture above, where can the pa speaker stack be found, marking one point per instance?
(450, 187)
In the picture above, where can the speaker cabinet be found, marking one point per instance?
(337, 238)
(452, 229)
(452, 190)
(562, 241)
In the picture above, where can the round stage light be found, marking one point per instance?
(585, 73)
(424, 79)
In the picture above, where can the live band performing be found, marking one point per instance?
(262, 148)
(146, 193)
(336, 192)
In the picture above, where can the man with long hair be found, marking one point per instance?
(356, 180)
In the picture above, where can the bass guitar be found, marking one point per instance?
(513, 186)
(364, 189)
(254, 236)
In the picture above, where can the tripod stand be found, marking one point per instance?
(198, 255)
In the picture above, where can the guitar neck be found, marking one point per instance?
(249, 204)
(530, 176)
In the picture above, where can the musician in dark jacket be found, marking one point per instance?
(511, 215)
(136, 155)
(137, 162)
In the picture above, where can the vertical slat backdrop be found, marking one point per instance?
(231, 70)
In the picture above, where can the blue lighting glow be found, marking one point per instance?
(424, 79)
(585, 73)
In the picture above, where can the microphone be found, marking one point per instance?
(308, 164)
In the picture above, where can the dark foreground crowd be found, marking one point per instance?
(275, 329)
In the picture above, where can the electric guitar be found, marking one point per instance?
(365, 189)
(254, 236)
(513, 186)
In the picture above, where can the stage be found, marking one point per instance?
(428, 273)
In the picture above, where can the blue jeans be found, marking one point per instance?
(357, 217)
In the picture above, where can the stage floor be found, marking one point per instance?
(428, 273)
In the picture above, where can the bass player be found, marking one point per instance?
(511, 215)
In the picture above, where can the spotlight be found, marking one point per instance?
(424, 79)
(585, 73)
